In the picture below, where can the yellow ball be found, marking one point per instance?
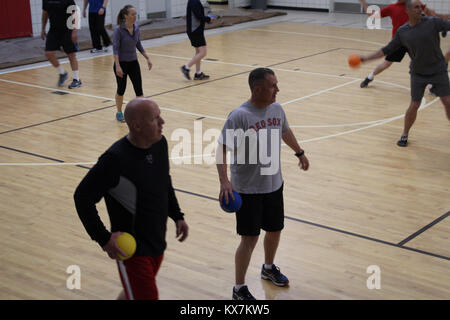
(127, 244)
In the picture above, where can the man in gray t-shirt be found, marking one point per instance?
(420, 35)
(253, 136)
(253, 133)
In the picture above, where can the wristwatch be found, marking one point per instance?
(299, 154)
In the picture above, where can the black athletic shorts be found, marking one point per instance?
(440, 82)
(397, 56)
(260, 211)
(197, 39)
(57, 39)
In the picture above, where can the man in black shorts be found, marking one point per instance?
(62, 33)
(259, 182)
(428, 66)
(195, 29)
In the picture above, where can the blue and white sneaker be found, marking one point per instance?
(75, 84)
(62, 78)
(120, 117)
(275, 276)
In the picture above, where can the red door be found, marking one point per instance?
(15, 19)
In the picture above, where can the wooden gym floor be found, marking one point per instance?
(364, 202)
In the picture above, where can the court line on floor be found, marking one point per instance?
(381, 122)
(176, 110)
(154, 95)
(319, 92)
(317, 36)
(428, 226)
(287, 217)
(375, 123)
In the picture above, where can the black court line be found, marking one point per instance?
(428, 226)
(287, 217)
(164, 92)
(57, 119)
(369, 238)
(39, 156)
(32, 154)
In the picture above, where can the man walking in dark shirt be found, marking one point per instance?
(133, 178)
(63, 33)
(195, 29)
(420, 36)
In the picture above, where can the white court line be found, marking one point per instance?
(56, 89)
(319, 92)
(317, 36)
(339, 125)
(36, 164)
(371, 123)
(105, 98)
(378, 123)
(218, 62)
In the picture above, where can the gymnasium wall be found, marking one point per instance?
(177, 8)
(354, 6)
(145, 8)
(310, 4)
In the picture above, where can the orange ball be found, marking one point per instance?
(354, 61)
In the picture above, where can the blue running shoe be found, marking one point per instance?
(75, 84)
(274, 275)
(120, 117)
(62, 78)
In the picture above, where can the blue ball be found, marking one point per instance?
(233, 205)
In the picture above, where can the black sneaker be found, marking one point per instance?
(75, 84)
(185, 72)
(403, 141)
(444, 34)
(242, 294)
(365, 83)
(62, 79)
(274, 275)
(201, 76)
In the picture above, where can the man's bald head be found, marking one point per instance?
(137, 109)
(144, 121)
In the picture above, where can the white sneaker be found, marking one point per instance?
(95, 50)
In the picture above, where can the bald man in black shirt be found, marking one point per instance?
(133, 178)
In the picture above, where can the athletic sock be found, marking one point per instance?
(75, 75)
(237, 287)
(186, 66)
(370, 76)
(61, 69)
(268, 266)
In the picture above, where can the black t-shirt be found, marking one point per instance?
(195, 17)
(138, 193)
(57, 13)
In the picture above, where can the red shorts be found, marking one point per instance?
(138, 275)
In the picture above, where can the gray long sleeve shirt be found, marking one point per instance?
(423, 44)
(125, 44)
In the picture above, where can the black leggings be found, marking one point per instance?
(132, 69)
